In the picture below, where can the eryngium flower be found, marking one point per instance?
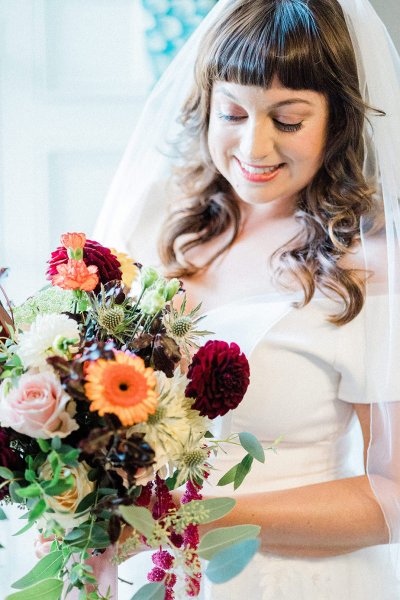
(93, 254)
(219, 376)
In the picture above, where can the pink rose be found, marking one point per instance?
(42, 545)
(38, 406)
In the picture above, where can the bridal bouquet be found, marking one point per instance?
(99, 423)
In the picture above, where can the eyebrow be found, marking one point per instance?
(227, 93)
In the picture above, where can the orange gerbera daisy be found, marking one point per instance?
(124, 387)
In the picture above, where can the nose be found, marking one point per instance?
(257, 141)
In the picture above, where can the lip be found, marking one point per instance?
(259, 177)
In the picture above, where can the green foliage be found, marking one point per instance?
(205, 511)
(6, 473)
(49, 566)
(231, 561)
(242, 470)
(218, 539)
(139, 518)
(150, 591)
(48, 589)
(237, 473)
(3, 515)
(251, 444)
(88, 535)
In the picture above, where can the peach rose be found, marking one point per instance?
(38, 406)
(65, 505)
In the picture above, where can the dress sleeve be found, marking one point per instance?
(357, 382)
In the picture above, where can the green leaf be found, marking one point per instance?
(243, 469)
(139, 518)
(3, 515)
(231, 561)
(216, 540)
(209, 435)
(31, 491)
(30, 475)
(55, 488)
(43, 445)
(74, 534)
(251, 444)
(48, 566)
(206, 511)
(229, 476)
(37, 510)
(13, 489)
(25, 528)
(56, 443)
(171, 481)
(150, 591)
(49, 589)
(99, 538)
(6, 473)
(86, 502)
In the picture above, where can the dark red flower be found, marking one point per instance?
(93, 254)
(8, 458)
(219, 376)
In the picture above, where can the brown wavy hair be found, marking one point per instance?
(306, 45)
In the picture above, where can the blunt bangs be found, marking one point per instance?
(282, 40)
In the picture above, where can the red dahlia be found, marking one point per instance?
(219, 376)
(109, 267)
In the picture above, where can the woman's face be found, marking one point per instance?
(268, 143)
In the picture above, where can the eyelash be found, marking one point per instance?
(287, 127)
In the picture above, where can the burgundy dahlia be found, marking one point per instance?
(219, 376)
(8, 458)
(109, 267)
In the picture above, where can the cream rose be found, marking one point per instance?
(65, 505)
(38, 406)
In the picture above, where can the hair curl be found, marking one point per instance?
(306, 45)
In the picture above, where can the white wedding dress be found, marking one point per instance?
(305, 375)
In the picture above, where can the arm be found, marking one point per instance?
(324, 519)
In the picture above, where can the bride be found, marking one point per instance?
(266, 160)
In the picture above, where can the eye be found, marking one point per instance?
(225, 117)
(288, 126)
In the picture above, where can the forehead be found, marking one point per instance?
(275, 96)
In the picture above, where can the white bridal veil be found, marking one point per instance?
(135, 208)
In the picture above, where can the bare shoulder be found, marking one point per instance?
(369, 256)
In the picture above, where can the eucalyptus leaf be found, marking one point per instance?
(25, 528)
(216, 540)
(206, 511)
(13, 489)
(139, 518)
(229, 476)
(231, 561)
(56, 443)
(49, 589)
(3, 515)
(150, 591)
(243, 469)
(6, 473)
(48, 566)
(251, 444)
